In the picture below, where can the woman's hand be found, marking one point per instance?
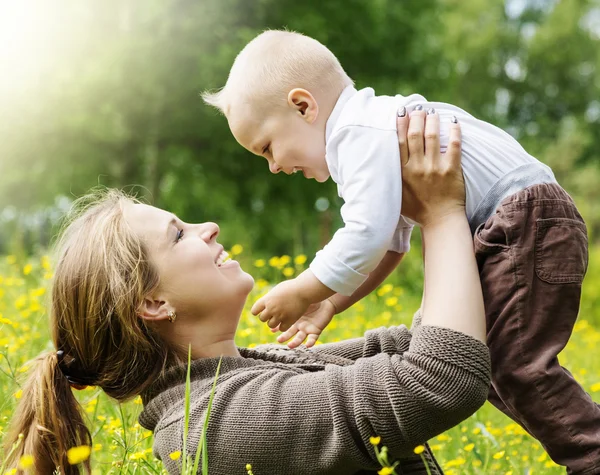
(434, 196)
(433, 184)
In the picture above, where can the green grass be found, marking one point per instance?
(486, 443)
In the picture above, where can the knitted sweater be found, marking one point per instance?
(313, 411)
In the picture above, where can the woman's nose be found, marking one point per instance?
(209, 231)
(274, 167)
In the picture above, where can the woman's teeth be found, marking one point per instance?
(222, 258)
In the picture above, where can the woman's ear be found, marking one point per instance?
(153, 310)
(304, 103)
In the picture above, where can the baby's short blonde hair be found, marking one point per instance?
(274, 63)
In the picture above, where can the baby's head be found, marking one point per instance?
(280, 92)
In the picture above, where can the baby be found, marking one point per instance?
(289, 100)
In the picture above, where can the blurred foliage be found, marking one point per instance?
(108, 92)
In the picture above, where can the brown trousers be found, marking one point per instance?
(532, 256)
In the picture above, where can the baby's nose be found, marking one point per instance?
(274, 167)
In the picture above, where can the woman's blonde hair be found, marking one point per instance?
(102, 275)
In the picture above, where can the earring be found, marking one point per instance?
(172, 316)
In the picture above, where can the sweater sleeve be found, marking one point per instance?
(388, 340)
(281, 419)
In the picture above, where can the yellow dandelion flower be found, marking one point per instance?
(300, 259)
(384, 289)
(97, 447)
(19, 394)
(375, 440)
(27, 269)
(386, 471)
(455, 463)
(175, 455)
(248, 467)
(391, 301)
(419, 449)
(595, 387)
(498, 455)
(78, 454)
(12, 471)
(469, 447)
(45, 262)
(443, 438)
(237, 249)
(26, 461)
(259, 263)
(542, 457)
(288, 271)
(274, 261)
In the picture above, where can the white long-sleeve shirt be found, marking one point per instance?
(363, 158)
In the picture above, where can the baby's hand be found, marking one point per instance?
(282, 306)
(310, 325)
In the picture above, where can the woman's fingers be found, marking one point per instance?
(416, 127)
(402, 128)
(453, 152)
(432, 134)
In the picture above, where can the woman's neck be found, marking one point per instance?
(209, 337)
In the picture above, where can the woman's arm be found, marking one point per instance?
(434, 196)
(292, 419)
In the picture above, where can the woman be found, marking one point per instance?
(134, 286)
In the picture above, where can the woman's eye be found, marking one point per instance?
(179, 235)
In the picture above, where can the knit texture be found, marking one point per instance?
(312, 411)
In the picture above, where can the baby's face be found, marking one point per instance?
(288, 142)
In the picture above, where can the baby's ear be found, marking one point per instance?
(304, 103)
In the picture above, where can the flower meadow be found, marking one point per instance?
(486, 443)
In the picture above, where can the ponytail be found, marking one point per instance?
(50, 420)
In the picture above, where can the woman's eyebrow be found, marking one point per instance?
(171, 223)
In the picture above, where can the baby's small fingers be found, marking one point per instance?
(258, 307)
(273, 322)
(298, 339)
(264, 316)
(311, 340)
(289, 333)
(283, 326)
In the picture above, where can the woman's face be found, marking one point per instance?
(188, 258)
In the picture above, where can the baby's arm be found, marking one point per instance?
(372, 190)
(289, 300)
(389, 262)
(310, 326)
